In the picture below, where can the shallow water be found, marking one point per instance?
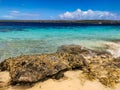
(18, 40)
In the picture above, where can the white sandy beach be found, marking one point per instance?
(73, 80)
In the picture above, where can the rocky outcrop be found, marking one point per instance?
(33, 68)
(104, 69)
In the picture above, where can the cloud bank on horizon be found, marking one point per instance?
(89, 15)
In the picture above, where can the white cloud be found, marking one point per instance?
(20, 15)
(89, 15)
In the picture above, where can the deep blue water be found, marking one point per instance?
(19, 39)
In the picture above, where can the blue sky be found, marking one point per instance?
(60, 9)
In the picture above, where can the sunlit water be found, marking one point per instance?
(19, 40)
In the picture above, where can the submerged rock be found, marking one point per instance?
(76, 49)
(33, 68)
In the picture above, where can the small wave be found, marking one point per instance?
(113, 48)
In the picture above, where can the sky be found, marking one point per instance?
(59, 9)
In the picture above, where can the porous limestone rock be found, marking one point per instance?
(95, 65)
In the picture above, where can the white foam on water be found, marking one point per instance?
(113, 48)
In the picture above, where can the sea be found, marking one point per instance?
(28, 39)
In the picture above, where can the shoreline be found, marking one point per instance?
(110, 46)
(99, 64)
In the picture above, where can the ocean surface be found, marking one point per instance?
(18, 40)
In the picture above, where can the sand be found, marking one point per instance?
(4, 79)
(73, 80)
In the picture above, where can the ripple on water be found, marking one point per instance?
(19, 40)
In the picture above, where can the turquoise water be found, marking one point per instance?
(19, 40)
